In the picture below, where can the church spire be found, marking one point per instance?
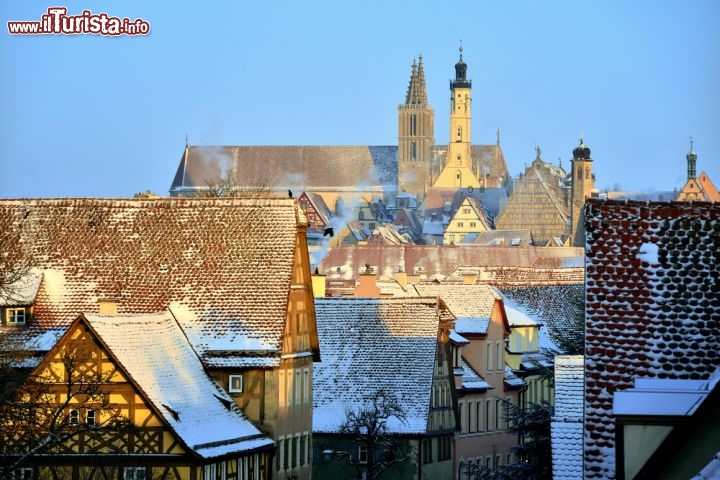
(691, 160)
(416, 89)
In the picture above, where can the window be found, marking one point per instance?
(90, 417)
(498, 414)
(23, 474)
(473, 224)
(209, 472)
(306, 386)
(74, 417)
(500, 361)
(15, 316)
(286, 453)
(361, 215)
(460, 224)
(371, 226)
(235, 383)
(489, 356)
(461, 410)
(466, 211)
(496, 463)
(282, 385)
(138, 473)
(298, 387)
(445, 448)
(471, 417)
(478, 416)
(294, 452)
(488, 415)
(303, 449)
(362, 453)
(508, 459)
(427, 450)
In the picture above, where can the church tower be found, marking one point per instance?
(583, 183)
(415, 136)
(458, 172)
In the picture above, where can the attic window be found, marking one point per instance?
(16, 316)
(235, 384)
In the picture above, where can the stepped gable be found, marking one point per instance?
(371, 343)
(309, 167)
(652, 305)
(223, 264)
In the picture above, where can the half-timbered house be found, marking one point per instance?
(234, 271)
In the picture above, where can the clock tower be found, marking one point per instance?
(458, 172)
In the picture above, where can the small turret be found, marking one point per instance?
(691, 161)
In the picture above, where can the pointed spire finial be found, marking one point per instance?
(498, 136)
(186, 139)
(461, 49)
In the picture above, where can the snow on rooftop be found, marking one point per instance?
(516, 318)
(370, 343)
(157, 356)
(648, 252)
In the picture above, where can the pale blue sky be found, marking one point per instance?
(98, 116)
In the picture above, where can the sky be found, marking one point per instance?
(101, 116)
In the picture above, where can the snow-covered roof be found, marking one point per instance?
(664, 396)
(557, 308)
(471, 380)
(465, 301)
(517, 318)
(651, 305)
(566, 428)
(227, 260)
(154, 352)
(370, 343)
(711, 471)
(458, 339)
(511, 380)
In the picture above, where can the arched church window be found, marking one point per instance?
(458, 179)
(413, 151)
(458, 160)
(579, 173)
(459, 134)
(587, 172)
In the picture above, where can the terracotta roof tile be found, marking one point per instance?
(652, 305)
(227, 261)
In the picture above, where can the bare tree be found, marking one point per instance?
(227, 185)
(368, 425)
(63, 407)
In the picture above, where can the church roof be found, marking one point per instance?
(310, 167)
(300, 168)
(226, 264)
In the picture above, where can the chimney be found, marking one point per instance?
(367, 287)
(107, 307)
(318, 284)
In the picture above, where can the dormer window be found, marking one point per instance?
(16, 316)
(235, 384)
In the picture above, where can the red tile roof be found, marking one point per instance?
(227, 261)
(652, 305)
